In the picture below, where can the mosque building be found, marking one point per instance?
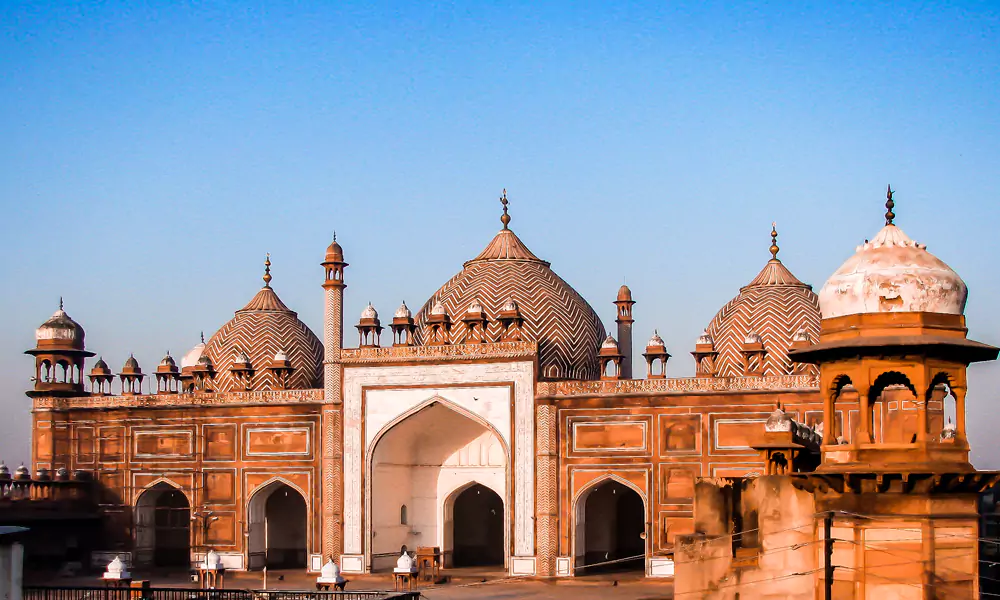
(501, 422)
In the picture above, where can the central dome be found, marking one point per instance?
(568, 331)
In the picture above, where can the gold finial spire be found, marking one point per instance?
(267, 270)
(889, 204)
(505, 219)
(774, 241)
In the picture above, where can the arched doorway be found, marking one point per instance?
(417, 464)
(610, 529)
(277, 528)
(476, 527)
(163, 527)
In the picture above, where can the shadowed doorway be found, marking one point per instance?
(478, 528)
(163, 527)
(610, 527)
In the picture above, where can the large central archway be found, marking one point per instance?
(277, 528)
(610, 529)
(420, 468)
(163, 527)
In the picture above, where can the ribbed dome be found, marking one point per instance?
(262, 329)
(892, 273)
(61, 330)
(568, 331)
(772, 308)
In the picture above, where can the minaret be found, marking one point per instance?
(624, 320)
(333, 342)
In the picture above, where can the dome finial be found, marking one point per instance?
(774, 241)
(335, 235)
(889, 204)
(202, 337)
(60, 303)
(267, 270)
(505, 219)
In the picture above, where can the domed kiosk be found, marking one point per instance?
(894, 333)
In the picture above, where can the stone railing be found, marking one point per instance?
(313, 396)
(397, 354)
(679, 385)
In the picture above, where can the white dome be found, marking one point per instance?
(610, 343)
(403, 312)
(655, 341)
(405, 563)
(369, 312)
(475, 307)
(191, 358)
(705, 338)
(438, 308)
(892, 273)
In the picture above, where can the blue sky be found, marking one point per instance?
(151, 155)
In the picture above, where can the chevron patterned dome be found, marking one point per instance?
(260, 330)
(773, 308)
(568, 331)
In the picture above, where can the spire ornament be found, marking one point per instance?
(774, 241)
(267, 270)
(60, 303)
(889, 204)
(505, 219)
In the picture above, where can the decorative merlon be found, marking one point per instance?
(358, 356)
(678, 385)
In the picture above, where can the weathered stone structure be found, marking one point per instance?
(502, 426)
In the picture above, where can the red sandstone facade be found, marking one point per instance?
(284, 450)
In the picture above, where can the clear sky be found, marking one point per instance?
(151, 155)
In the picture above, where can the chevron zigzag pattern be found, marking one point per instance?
(776, 313)
(568, 331)
(261, 334)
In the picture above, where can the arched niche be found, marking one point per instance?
(419, 461)
(609, 530)
(277, 527)
(163, 527)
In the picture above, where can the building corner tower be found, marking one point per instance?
(624, 321)
(332, 424)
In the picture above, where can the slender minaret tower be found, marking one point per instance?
(333, 342)
(624, 320)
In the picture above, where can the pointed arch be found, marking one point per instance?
(579, 543)
(436, 399)
(162, 524)
(277, 535)
(471, 432)
(157, 482)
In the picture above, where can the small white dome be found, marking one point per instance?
(510, 305)
(610, 343)
(241, 358)
(61, 328)
(656, 340)
(802, 335)
(191, 358)
(892, 273)
(212, 560)
(475, 307)
(778, 421)
(752, 338)
(438, 308)
(369, 312)
(280, 356)
(405, 563)
(403, 312)
(705, 338)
